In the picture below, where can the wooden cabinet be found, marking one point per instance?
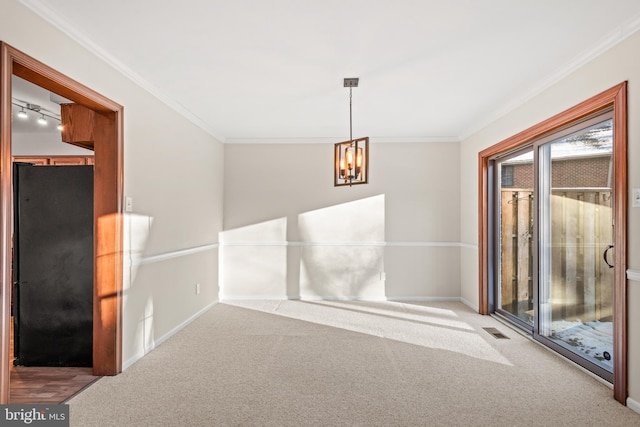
(66, 161)
(40, 161)
(55, 160)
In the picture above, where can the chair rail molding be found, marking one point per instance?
(633, 275)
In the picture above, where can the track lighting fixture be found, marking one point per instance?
(44, 113)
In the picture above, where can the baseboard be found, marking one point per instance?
(252, 297)
(335, 298)
(127, 363)
(633, 405)
(473, 307)
(424, 299)
(344, 298)
(435, 299)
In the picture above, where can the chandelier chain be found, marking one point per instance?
(350, 115)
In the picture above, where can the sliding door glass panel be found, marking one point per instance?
(515, 207)
(576, 283)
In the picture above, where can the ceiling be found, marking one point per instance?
(273, 70)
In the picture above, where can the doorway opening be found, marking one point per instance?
(552, 210)
(95, 123)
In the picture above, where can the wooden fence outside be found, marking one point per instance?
(581, 284)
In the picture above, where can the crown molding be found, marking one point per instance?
(614, 37)
(45, 12)
(333, 140)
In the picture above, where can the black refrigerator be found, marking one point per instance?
(53, 265)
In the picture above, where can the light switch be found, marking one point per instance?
(635, 202)
(128, 204)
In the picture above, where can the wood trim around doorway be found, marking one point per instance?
(616, 98)
(108, 190)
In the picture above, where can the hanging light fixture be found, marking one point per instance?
(22, 114)
(41, 120)
(351, 157)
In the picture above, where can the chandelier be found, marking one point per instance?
(351, 157)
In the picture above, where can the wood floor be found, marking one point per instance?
(44, 384)
(47, 385)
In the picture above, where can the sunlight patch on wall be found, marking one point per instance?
(136, 233)
(147, 326)
(254, 261)
(342, 251)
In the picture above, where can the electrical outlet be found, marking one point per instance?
(635, 198)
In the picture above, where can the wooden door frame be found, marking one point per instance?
(107, 143)
(615, 98)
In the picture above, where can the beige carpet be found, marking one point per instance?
(295, 363)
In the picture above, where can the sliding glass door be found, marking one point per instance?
(553, 236)
(576, 232)
(515, 207)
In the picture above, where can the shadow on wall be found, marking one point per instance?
(339, 256)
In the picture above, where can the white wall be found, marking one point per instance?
(173, 171)
(290, 233)
(620, 63)
(43, 144)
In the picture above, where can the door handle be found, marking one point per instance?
(604, 256)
